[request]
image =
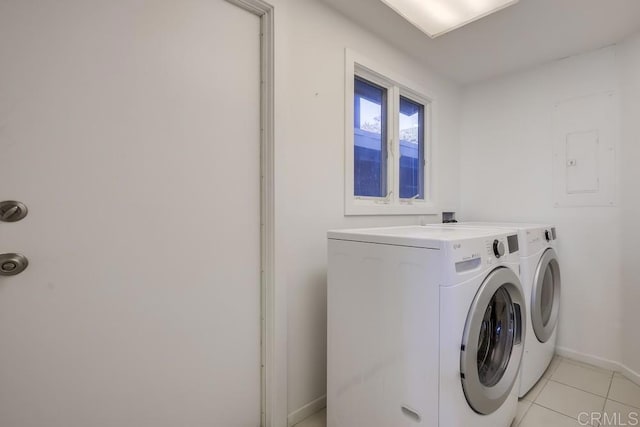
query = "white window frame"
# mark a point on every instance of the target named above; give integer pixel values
(396, 86)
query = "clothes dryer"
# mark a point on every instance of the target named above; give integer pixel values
(425, 327)
(541, 281)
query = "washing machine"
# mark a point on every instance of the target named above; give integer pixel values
(425, 327)
(541, 281)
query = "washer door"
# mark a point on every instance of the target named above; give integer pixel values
(545, 298)
(492, 341)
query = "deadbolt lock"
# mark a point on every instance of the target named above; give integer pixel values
(12, 211)
(12, 264)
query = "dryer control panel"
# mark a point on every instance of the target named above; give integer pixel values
(539, 239)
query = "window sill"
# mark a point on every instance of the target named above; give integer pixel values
(369, 207)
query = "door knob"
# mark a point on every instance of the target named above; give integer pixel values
(12, 211)
(12, 264)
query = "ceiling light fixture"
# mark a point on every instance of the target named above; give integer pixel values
(437, 17)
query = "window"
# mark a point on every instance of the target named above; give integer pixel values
(387, 146)
(369, 139)
(411, 120)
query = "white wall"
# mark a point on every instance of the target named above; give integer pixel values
(629, 61)
(310, 48)
(506, 174)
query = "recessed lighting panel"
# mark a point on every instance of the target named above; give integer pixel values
(436, 17)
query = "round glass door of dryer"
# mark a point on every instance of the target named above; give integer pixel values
(545, 297)
(492, 342)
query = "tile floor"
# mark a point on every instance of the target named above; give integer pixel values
(567, 390)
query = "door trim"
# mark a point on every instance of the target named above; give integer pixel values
(273, 393)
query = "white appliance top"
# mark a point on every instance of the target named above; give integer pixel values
(511, 225)
(432, 237)
(533, 238)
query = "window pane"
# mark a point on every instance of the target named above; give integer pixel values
(370, 137)
(411, 149)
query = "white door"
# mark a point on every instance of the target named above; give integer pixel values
(130, 129)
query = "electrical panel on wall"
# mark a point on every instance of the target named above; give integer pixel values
(585, 134)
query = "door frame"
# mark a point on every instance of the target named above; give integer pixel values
(273, 405)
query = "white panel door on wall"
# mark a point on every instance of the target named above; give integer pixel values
(130, 129)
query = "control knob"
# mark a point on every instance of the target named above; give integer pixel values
(547, 235)
(498, 248)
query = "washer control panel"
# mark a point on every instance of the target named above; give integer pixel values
(500, 249)
(497, 248)
(468, 255)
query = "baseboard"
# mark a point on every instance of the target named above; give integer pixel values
(589, 359)
(632, 375)
(600, 362)
(306, 411)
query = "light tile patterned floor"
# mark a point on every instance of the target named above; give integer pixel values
(318, 419)
(570, 394)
